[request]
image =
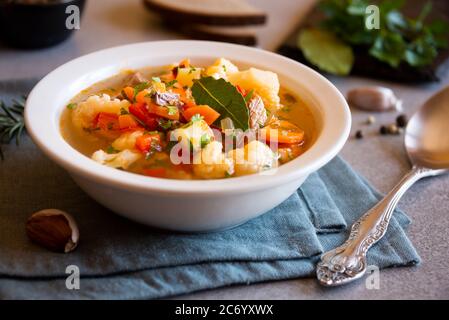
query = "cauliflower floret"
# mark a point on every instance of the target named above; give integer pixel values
(186, 75)
(212, 163)
(127, 140)
(193, 134)
(254, 157)
(264, 83)
(85, 112)
(123, 159)
(221, 68)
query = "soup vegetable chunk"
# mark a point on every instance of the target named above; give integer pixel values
(189, 122)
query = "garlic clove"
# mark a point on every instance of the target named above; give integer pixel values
(53, 229)
(373, 98)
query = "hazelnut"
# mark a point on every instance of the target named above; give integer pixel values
(53, 229)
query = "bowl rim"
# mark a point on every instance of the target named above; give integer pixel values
(49, 139)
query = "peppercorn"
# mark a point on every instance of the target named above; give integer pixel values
(392, 129)
(383, 130)
(370, 120)
(401, 121)
(359, 134)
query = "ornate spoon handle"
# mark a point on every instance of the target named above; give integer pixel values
(348, 262)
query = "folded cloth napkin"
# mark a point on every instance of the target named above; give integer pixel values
(119, 259)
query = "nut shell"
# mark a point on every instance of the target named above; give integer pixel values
(53, 229)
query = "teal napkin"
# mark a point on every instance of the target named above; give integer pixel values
(119, 259)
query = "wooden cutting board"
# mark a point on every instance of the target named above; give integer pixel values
(367, 66)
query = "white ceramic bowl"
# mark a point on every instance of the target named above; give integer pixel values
(201, 205)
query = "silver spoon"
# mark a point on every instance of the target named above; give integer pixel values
(427, 145)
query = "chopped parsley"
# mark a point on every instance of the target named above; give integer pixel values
(197, 117)
(111, 150)
(172, 110)
(224, 68)
(171, 83)
(205, 140)
(249, 95)
(165, 124)
(71, 106)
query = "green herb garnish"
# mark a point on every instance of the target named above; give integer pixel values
(224, 98)
(11, 122)
(111, 150)
(171, 83)
(165, 124)
(172, 110)
(249, 95)
(205, 140)
(123, 111)
(141, 86)
(71, 106)
(196, 118)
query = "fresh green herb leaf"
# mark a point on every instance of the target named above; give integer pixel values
(224, 68)
(192, 69)
(165, 124)
(196, 118)
(172, 110)
(400, 38)
(323, 49)
(249, 95)
(111, 150)
(205, 140)
(171, 83)
(224, 98)
(140, 87)
(123, 111)
(71, 106)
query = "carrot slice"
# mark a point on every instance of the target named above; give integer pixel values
(129, 92)
(284, 132)
(209, 114)
(155, 172)
(140, 97)
(127, 121)
(169, 112)
(146, 142)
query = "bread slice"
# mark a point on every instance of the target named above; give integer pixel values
(209, 12)
(245, 35)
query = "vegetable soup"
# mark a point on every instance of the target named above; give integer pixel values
(189, 122)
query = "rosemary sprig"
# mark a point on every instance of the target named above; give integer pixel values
(11, 122)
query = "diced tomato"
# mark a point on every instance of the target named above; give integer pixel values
(209, 114)
(147, 141)
(127, 122)
(241, 90)
(140, 112)
(106, 121)
(155, 172)
(171, 113)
